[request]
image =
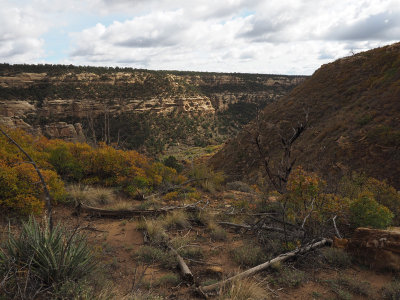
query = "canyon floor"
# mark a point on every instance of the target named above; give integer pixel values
(122, 273)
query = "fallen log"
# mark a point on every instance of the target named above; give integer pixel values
(100, 212)
(264, 227)
(282, 257)
(185, 271)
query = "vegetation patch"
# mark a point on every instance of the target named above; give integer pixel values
(337, 257)
(38, 257)
(248, 255)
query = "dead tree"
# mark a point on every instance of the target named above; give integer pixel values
(278, 177)
(47, 195)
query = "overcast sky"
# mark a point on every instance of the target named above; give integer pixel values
(255, 36)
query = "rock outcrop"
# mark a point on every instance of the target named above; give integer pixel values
(379, 249)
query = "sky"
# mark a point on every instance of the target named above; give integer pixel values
(250, 36)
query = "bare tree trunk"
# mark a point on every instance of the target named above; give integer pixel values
(247, 273)
(45, 189)
(185, 271)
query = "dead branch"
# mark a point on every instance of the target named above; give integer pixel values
(100, 212)
(309, 214)
(256, 269)
(185, 271)
(263, 227)
(336, 229)
(47, 196)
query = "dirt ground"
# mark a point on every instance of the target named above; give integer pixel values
(115, 242)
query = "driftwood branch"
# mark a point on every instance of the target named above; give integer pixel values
(247, 273)
(45, 189)
(185, 271)
(100, 212)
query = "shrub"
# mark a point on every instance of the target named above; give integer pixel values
(206, 178)
(248, 255)
(337, 257)
(151, 255)
(392, 291)
(51, 257)
(366, 212)
(172, 162)
(239, 186)
(289, 277)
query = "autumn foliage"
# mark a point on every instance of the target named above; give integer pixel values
(20, 190)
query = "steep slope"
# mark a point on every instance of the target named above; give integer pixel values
(354, 121)
(135, 108)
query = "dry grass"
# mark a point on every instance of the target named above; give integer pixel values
(217, 233)
(177, 219)
(92, 196)
(155, 230)
(243, 289)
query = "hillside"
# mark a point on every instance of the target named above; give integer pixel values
(136, 109)
(354, 121)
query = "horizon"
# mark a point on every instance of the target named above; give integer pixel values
(235, 36)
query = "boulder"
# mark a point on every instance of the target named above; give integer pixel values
(379, 249)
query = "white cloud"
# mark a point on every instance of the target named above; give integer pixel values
(274, 36)
(20, 35)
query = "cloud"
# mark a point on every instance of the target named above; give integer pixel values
(384, 25)
(20, 33)
(274, 36)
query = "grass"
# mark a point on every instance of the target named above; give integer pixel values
(248, 255)
(217, 233)
(243, 289)
(288, 277)
(92, 196)
(169, 279)
(151, 255)
(391, 291)
(344, 287)
(182, 245)
(177, 219)
(202, 217)
(155, 230)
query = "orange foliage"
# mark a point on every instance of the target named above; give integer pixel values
(20, 189)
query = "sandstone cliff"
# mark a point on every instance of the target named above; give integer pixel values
(45, 96)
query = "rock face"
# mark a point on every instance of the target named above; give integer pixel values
(135, 106)
(379, 249)
(62, 130)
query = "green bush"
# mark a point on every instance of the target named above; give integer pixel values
(337, 257)
(40, 257)
(366, 212)
(248, 255)
(172, 162)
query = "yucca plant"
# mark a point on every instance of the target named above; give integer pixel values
(49, 256)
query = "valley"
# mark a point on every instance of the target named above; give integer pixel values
(137, 184)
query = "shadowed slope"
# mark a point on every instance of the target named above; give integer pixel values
(354, 121)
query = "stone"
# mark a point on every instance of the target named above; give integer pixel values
(378, 249)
